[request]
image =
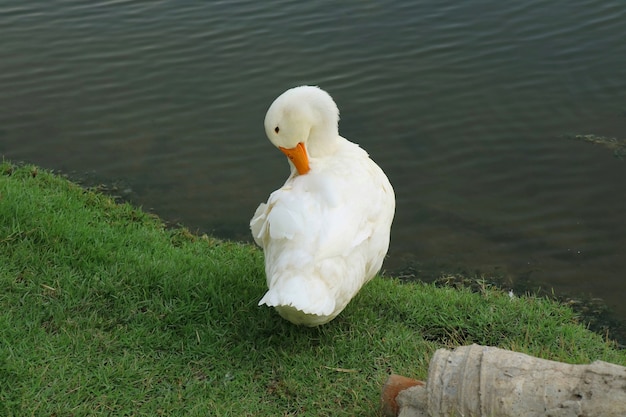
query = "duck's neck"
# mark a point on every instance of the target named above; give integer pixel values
(323, 141)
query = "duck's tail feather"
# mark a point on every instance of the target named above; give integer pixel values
(306, 295)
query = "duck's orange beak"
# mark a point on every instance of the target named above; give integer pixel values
(298, 156)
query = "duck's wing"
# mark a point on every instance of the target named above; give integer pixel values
(329, 214)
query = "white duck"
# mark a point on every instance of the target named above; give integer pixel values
(325, 232)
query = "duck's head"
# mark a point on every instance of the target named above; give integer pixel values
(303, 121)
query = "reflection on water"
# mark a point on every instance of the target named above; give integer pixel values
(464, 104)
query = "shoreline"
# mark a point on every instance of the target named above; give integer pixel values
(593, 311)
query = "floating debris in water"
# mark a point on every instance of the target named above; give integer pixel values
(618, 146)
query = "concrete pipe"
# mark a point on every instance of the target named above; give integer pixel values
(490, 382)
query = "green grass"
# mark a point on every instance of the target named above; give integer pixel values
(105, 311)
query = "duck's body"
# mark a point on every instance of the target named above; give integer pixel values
(325, 232)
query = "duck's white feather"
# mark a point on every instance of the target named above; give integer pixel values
(324, 234)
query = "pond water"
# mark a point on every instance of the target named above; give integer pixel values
(466, 106)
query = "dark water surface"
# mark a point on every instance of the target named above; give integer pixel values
(463, 104)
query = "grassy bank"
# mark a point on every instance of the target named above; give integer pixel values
(104, 311)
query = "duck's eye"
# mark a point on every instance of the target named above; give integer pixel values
(276, 129)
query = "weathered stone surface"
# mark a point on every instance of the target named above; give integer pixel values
(486, 381)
